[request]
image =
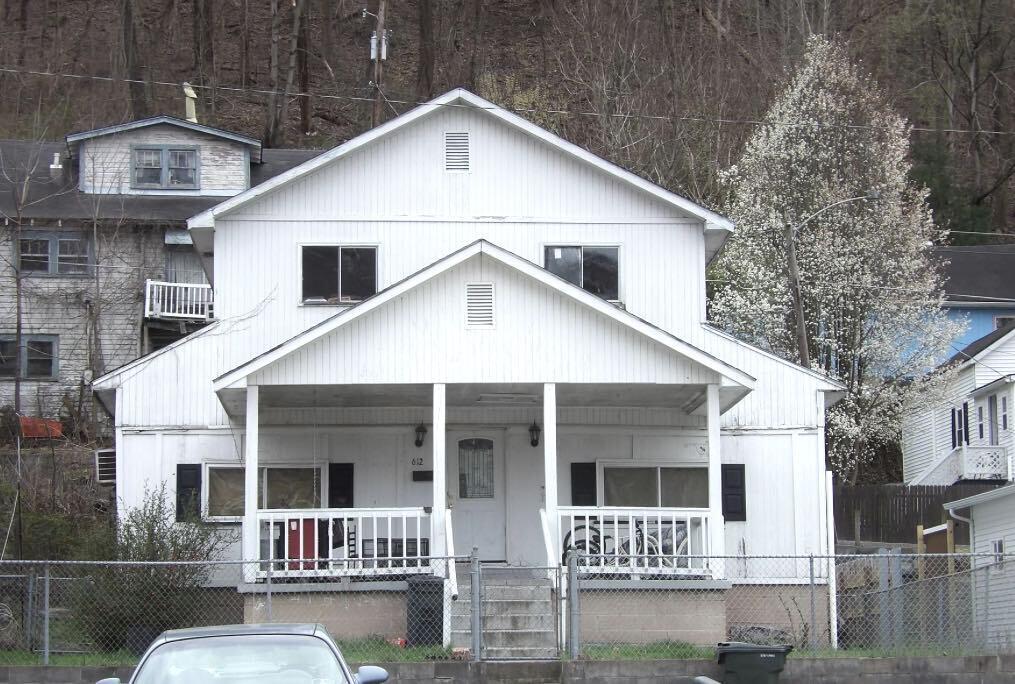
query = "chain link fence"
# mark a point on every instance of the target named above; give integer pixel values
(888, 604)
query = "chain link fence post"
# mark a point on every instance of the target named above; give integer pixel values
(267, 597)
(45, 613)
(476, 612)
(573, 609)
(812, 631)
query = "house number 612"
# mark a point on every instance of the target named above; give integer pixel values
(417, 461)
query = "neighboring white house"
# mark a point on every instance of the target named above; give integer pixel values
(992, 538)
(459, 328)
(968, 436)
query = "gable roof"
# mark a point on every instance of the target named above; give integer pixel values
(978, 275)
(73, 139)
(463, 98)
(238, 375)
(977, 348)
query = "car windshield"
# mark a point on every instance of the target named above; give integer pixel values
(253, 659)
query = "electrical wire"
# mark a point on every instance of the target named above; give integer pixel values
(526, 110)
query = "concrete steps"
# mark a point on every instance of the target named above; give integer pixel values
(517, 618)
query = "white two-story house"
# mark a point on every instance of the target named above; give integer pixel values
(967, 435)
(460, 331)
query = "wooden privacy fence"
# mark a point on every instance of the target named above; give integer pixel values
(890, 513)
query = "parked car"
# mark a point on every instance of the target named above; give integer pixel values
(248, 654)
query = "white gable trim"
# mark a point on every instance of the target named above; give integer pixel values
(106, 381)
(997, 345)
(461, 97)
(237, 377)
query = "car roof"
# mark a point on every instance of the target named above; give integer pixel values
(301, 629)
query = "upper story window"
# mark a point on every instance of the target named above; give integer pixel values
(54, 253)
(338, 275)
(39, 359)
(165, 168)
(596, 269)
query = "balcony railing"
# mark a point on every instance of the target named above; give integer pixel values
(983, 463)
(637, 541)
(345, 542)
(184, 301)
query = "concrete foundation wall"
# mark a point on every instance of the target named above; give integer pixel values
(346, 615)
(650, 615)
(776, 613)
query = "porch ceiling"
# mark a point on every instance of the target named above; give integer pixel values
(684, 397)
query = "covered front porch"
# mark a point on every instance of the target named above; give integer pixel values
(374, 481)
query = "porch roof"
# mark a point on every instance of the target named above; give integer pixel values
(687, 398)
(653, 345)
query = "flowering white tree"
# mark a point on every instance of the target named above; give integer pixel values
(869, 295)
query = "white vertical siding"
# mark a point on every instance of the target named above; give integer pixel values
(994, 588)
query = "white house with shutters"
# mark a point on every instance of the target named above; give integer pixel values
(968, 435)
(460, 331)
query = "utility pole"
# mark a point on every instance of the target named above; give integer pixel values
(798, 303)
(379, 51)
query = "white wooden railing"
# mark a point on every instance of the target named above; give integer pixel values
(188, 301)
(449, 540)
(344, 542)
(552, 560)
(984, 463)
(637, 541)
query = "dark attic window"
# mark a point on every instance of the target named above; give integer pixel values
(338, 275)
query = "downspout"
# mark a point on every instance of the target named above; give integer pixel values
(956, 516)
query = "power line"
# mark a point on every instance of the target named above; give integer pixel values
(526, 110)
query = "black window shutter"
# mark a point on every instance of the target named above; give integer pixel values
(954, 444)
(340, 476)
(734, 492)
(583, 484)
(965, 421)
(188, 491)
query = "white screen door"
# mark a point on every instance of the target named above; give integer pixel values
(476, 492)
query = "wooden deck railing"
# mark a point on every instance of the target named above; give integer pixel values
(343, 542)
(637, 541)
(187, 301)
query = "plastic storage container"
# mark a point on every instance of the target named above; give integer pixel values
(751, 663)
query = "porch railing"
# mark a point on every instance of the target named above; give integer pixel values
(188, 301)
(984, 463)
(637, 541)
(344, 542)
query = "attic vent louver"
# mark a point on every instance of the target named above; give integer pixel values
(105, 466)
(456, 152)
(479, 305)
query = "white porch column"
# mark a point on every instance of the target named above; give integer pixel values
(438, 545)
(550, 462)
(717, 533)
(251, 543)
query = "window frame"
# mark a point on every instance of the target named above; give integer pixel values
(53, 238)
(979, 420)
(601, 480)
(262, 469)
(582, 245)
(54, 375)
(997, 550)
(340, 245)
(164, 152)
(1010, 318)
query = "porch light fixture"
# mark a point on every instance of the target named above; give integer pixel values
(534, 431)
(420, 434)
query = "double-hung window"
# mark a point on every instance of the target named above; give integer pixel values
(654, 486)
(285, 487)
(39, 357)
(54, 253)
(165, 168)
(593, 268)
(338, 275)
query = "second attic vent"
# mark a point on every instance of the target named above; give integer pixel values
(456, 152)
(479, 305)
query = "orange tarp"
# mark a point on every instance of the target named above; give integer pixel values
(40, 427)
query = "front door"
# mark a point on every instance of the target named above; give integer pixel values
(476, 493)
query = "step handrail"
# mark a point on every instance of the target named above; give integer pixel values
(449, 535)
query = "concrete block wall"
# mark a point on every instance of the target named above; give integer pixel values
(645, 616)
(346, 615)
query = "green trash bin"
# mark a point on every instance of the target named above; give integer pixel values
(751, 663)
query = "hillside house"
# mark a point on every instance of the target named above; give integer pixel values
(97, 224)
(460, 331)
(967, 437)
(980, 287)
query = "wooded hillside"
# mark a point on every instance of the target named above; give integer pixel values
(666, 88)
